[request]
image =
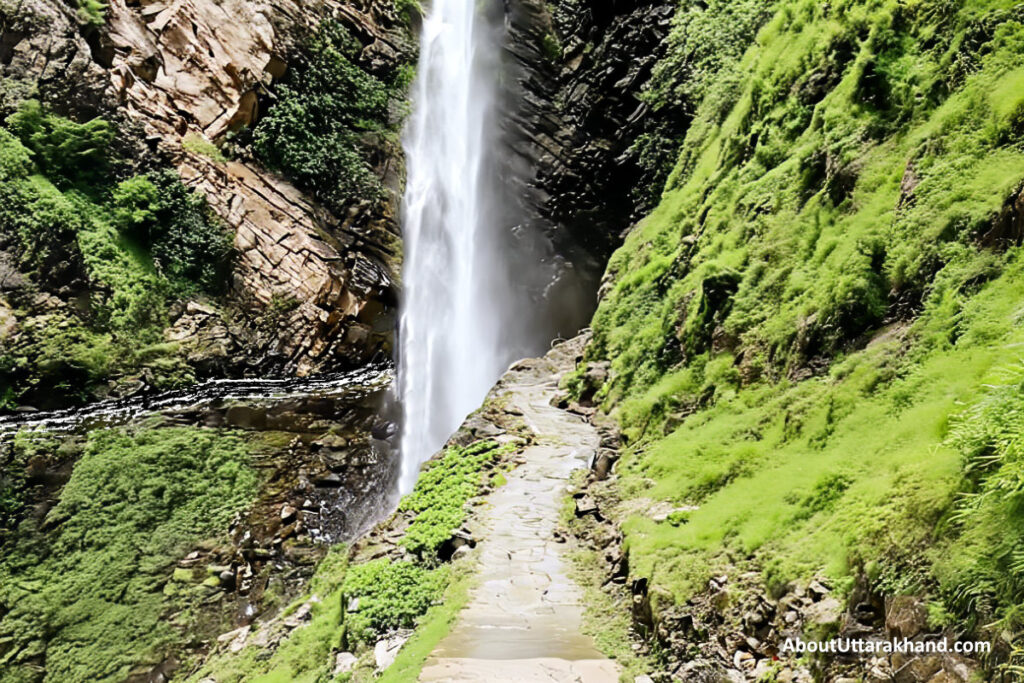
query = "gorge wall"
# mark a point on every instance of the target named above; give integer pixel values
(312, 283)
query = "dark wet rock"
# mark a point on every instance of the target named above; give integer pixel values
(328, 480)
(459, 539)
(246, 417)
(384, 430)
(575, 113)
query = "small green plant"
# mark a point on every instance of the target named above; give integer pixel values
(551, 46)
(94, 11)
(197, 144)
(408, 8)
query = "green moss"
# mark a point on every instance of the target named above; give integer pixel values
(608, 615)
(199, 145)
(551, 46)
(842, 172)
(86, 599)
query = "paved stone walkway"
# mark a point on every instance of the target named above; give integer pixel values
(522, 622)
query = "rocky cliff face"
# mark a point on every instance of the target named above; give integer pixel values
(576, 111)
(175, 77)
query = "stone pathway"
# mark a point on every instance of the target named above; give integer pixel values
(522, 622)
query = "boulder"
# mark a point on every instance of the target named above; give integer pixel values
(344, 662)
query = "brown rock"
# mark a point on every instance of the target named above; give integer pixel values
(905, 617)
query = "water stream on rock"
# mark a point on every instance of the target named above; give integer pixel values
(456, 332)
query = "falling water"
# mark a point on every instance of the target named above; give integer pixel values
(455, 340)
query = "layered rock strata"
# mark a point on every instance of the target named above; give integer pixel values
(182, 74)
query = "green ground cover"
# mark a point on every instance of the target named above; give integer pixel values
(803, 333)
(86, 591)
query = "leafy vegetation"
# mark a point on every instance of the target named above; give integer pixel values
(981, 569)
(176, 226)
(825, 283)
(391, 596)
(408, 8)
(327, 116)
(94, 11)
(82, 592)
(127, 247)
(441, 493)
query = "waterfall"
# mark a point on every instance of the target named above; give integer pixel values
(458, 315)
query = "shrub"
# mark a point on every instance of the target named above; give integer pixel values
(63, 150)
(391, 595)
(187, 242)
(314, 133)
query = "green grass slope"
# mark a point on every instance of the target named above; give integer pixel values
(816, 337)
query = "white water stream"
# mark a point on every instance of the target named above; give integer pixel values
(456, 335)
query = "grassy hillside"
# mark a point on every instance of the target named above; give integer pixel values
(816, 338)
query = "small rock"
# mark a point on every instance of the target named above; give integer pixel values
(743, 660)
(461, 551)
(817, 589)
(288, 513)
(344, 662)
(236, 639)
(585, 505)
(329, 480)
(643, 679)
(905, 617)
(826, 613)
(353, 605)
(915, 669)
(385, 651)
